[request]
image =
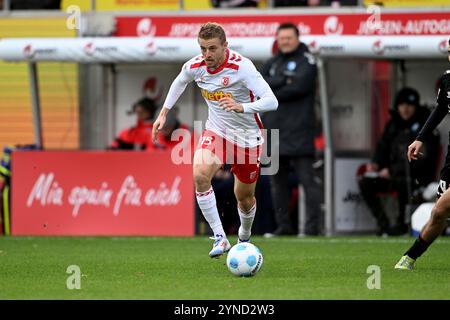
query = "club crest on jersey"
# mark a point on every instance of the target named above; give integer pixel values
(225, 81)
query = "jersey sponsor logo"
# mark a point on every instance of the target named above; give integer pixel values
(216, 95)
(225, 81)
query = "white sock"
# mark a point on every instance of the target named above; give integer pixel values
(245, 230)
(207, 202)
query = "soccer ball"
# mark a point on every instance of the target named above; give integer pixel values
(244, 259)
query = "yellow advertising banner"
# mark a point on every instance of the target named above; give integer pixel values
(85, 5)
(408, 3)
(137, 5)
(58, 85)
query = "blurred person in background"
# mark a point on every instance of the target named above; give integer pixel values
(138, 137)
(390, 170)
(291, 74)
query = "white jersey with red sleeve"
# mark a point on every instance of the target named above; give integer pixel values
(237, 78)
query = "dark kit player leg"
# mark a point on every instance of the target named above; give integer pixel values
(434, 227)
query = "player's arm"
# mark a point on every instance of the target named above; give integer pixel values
(253, 80)
(435, 118)
(176, 90)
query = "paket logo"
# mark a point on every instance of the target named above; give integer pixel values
(443, 46)
(151, 48)
(29, 52)
(90, 48)
(379, 48)
(314, 47)
(216, 95)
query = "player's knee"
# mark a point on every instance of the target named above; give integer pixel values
(245, 201)
(201, 180)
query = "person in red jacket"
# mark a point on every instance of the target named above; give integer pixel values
(138, 137)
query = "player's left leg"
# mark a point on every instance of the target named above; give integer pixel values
(246, 174)
(245, 196)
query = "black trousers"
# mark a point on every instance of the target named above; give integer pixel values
(372, 190)
(313, 194)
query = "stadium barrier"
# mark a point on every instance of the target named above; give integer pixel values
(96, 193)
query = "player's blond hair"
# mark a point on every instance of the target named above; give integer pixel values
(211, 30)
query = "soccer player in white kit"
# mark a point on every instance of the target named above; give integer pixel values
(235, 93)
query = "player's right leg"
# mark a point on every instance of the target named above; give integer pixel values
(434, 227)
(206, 164)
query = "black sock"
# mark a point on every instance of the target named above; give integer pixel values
(418, 248)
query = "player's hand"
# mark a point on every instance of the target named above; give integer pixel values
(158, 125)
(228, 104)
(414, 150)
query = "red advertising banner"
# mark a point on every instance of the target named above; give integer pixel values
(101, 193)
(377, 23)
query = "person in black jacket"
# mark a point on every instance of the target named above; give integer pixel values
(390, 170)
(291, 74)
(441, 210)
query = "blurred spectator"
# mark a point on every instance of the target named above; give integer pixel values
(390, 170)
(35, 5)
(234, 3)
(291, 74)
(138, 137)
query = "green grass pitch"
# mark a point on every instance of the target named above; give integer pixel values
(179, 268)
